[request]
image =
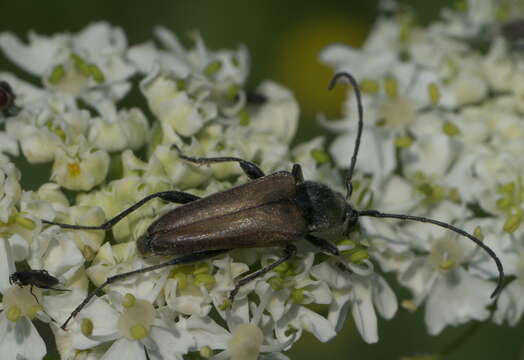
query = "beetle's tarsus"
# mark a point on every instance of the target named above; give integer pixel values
(289, 251)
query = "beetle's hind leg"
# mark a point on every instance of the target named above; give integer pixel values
(250, 169)
(52, 288)
(178, 197)
(38, 302)
(32, 293)
(189, 258)
(289, 251)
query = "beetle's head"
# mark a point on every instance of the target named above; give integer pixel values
(14, 279)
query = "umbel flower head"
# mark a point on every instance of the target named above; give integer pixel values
(441, 139)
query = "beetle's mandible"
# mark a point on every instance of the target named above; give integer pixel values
(270, 210)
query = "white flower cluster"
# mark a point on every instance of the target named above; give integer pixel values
(106, 157)
(443, 138)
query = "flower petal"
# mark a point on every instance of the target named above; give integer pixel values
(125, 349)
(20, 340)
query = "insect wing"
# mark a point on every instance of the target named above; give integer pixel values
(266, 225)
(267, 189)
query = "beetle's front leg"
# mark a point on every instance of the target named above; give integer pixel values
(330, 248)
(250, 169)
(322, 244)
(289, 251)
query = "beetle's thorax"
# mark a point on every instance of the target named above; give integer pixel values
(323, 208)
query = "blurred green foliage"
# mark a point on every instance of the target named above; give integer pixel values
(284, 39)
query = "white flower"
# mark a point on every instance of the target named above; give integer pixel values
(18, 335)
(278, 115)
(20, 339)
(90, 64)
(363, 294)
(45, 123)
(121, 258)
(119, 131)
(233, 65)
(373, 60)
(293, 286)
(177, 111)
(135, 328)
(187, 290)
(165, 165)
(10, 190)
(453, 296)
(78, 166)
(246, 338)
(54, 251)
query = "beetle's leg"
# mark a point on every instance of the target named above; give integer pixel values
(38, 302)
(32, 293)
(202, 255)
(323, 245)
(250, 169)
(178, 197)
(289, 251)
(330, 248)
(52, 288)
(297, 173)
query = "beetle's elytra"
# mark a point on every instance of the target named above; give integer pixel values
(270, 210)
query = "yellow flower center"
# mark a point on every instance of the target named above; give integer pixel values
(138, 332)
(13, 313)
(446, 254)
(134, 322)
(73, 169)
(18, 302)
(86, 327)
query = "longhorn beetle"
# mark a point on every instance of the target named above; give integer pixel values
(269, 211)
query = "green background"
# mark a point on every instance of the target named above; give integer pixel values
(284, 39)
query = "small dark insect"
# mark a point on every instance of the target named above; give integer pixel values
(39, 278)
(7, 100)
(270, 211)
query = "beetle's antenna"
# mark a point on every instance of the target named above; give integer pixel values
(354, 83)
(491, 253)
